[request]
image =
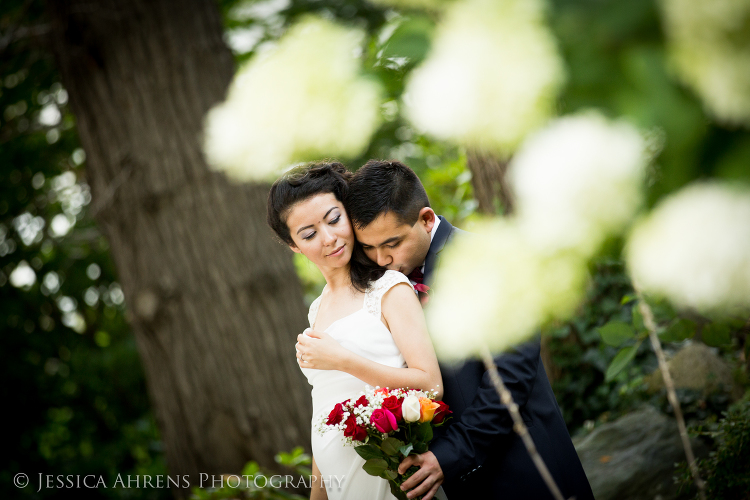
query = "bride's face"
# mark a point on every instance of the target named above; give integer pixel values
(321, 231)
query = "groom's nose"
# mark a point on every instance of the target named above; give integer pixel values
(384, 258)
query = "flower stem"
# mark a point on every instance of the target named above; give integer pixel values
(648, 321)
(518, 426)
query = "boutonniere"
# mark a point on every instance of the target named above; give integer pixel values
(423, 297)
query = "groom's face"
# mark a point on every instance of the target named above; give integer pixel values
(395, 245)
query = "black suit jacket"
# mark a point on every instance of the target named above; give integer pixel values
(478, 451)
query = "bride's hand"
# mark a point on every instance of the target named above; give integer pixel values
(320, 351)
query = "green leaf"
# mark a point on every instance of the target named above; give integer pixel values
(678, 331)
(391, 445)
(251, 468)
(406, 449)
(620, 361)
(616, 333)
(389, 474)
(626, 299)
(716, 334)
(420, 447)
(411, 39)
(368, 451)
(424, 432)
(375, 466)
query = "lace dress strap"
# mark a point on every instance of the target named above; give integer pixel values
(374, 294)
(313, 312)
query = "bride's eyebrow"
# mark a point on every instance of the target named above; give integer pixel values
(311, 225)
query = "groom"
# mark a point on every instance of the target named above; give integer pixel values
(477, 455)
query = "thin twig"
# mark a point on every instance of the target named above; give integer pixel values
(518, 426)
(648, 321)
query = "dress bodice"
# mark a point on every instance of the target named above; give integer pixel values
(362, 332)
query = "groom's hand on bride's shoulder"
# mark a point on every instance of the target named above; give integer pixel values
(426, 480)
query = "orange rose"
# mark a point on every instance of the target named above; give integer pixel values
(427, 409)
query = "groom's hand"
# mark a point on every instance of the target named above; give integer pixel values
(426, 480)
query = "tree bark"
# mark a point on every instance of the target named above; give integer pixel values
(213, 300)
(491, 188)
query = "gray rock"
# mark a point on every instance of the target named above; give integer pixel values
(634, 456)
(697, 366)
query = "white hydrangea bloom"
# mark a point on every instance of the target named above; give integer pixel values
(492, 76)
(494, 289)
(303, 100)
(709, 45)
(694, 249)
(578, 180)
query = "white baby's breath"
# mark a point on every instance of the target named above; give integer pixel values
(492, 76)
(303, 100)
(694, 249)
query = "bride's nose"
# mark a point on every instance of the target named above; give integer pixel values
(328, 237)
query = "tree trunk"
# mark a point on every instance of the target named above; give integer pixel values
(490, 186)
(214, 302)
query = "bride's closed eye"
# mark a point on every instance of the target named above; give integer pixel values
(332, 222)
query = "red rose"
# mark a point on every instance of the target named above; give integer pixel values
(353, 430)
(393, 405)
(383, 420)
(441, 412)
(362, 401)
(336, 415)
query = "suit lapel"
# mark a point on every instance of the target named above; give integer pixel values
(444, 232)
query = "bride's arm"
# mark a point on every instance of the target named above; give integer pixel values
(317, 489)
(405, 319)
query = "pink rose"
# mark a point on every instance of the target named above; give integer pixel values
(383, 420)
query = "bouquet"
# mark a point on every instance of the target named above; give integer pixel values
(385, 426)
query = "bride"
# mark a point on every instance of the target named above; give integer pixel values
(367, 327)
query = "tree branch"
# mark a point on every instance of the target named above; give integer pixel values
(648, 321)
(518, 426)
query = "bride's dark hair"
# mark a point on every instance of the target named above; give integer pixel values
(304, 182)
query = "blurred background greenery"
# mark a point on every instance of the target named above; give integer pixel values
(76, 399)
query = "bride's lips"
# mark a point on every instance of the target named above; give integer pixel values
(337, 252)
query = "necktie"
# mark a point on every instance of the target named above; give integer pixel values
(416, 276)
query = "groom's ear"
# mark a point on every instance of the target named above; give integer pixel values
(427, 218)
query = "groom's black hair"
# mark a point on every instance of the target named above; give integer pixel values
(304, 182)
(382, 186)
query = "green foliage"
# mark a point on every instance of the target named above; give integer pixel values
(255, 484)
(725, 471)
(69, 364)
(582, 359)
(603, 354)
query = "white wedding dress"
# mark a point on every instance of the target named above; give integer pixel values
(363, 333)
